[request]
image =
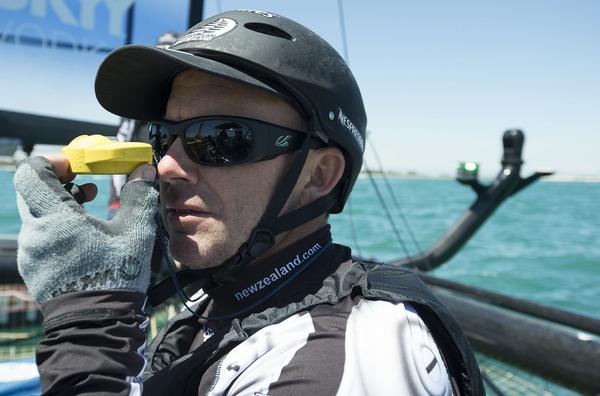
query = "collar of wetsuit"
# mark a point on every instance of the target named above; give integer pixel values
(260, 278)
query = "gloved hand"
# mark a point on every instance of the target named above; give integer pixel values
(63, 249)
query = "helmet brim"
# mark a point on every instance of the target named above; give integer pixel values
(134, 81)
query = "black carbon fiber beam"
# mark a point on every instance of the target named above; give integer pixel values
(558, 354)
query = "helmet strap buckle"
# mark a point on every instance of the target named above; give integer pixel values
(260, 241)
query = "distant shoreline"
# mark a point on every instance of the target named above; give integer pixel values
(419, 176)
(10, 166)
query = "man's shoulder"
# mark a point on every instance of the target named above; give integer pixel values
(389, 286)
(388, 346)
(382, 280)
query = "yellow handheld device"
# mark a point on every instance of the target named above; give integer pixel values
(97, 154)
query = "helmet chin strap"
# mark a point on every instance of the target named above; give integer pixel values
(261, 239)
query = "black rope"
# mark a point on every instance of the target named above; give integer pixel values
(347, 58)
(381, 200)
(353, 229)
(394, 198)
(343, 29)
(387, 211)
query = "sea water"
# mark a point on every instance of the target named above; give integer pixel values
(543, 244)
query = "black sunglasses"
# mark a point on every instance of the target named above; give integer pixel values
(224, 140)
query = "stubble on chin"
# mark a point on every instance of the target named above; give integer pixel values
(200, 251)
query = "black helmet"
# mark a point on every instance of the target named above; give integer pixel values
(255, 47)
(272, 53)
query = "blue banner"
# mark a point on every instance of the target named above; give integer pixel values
(51, 49)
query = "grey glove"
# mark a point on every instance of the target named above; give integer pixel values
(63, 249)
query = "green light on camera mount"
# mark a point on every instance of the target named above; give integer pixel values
(467, 171)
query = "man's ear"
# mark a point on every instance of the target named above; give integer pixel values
(325, 168)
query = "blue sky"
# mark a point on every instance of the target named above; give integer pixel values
(441, 80)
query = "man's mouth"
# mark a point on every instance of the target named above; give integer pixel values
(181, 212)
(186, 212)
(185, 220)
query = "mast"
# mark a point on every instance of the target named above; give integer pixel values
(196, 12)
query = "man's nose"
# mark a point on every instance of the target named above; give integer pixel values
(176, 165)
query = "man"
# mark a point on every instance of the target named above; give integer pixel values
(258, 129)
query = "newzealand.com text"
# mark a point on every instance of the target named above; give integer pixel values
(278, 273)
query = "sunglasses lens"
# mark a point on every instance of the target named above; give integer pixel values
(160, 141)
(218, 142)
